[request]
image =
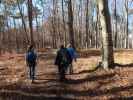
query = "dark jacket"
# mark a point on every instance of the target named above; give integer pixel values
(31, 58)
(59, 56)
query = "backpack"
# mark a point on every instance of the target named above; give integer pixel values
(64, 59)
(31, 56)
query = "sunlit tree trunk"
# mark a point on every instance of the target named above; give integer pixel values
(107, 44)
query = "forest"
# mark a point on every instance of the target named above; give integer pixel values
(99, 31)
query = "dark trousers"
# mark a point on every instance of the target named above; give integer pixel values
(61, 70)
(71, 68)
(32, 70)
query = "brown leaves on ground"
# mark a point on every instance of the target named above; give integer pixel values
(84, 84)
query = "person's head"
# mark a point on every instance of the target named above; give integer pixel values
(62, 46)
(31, 47)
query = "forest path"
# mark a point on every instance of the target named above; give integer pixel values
(82, 85)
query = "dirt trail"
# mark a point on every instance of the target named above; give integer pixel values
(82, 85)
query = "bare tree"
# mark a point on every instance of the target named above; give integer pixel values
(107, 44)
(30, 21)
(127, 33)
(87, 24)
(115, 44)
(70, 23)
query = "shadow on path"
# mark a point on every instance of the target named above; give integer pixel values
(124, 65)
(54, 94)
(91, 78)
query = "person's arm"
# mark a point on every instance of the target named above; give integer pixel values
(57, 59)
(74, 55)
(26, 59)
(36, 57)
(75, 58)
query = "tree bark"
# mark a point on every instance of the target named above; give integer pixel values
(115, 25)
(70, 23)
(107, 44)
(30, 21)
(87, 24)
(126, 6)
(64, 26)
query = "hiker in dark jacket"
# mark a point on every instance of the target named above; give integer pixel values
(62, 61)
(31, 58)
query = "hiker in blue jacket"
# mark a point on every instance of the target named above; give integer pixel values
(31, 58)
(73, 55)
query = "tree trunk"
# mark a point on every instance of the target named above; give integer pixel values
(64, 26)
(127, 24)
(97, 28)
(23, 21)
(116, 24)
(54, 30)
(107, 44)
(87, 24)
(30, 21)
(70, 23)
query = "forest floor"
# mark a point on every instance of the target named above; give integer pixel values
(84, 84)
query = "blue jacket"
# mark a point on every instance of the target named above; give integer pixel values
(31, 56)
(72, 53)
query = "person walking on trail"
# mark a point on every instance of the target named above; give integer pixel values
(31, 58)
(73, 55)
(62, 61)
